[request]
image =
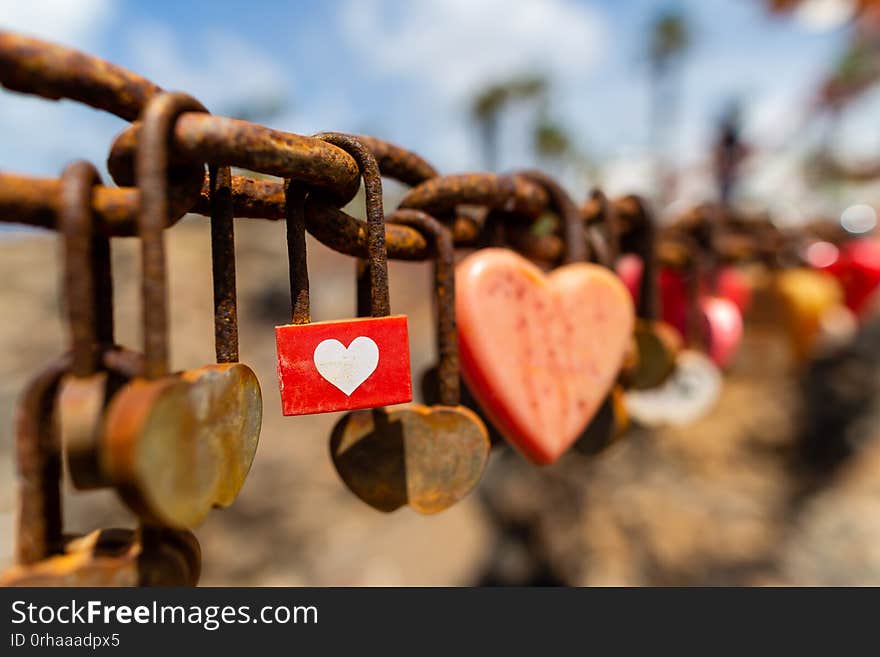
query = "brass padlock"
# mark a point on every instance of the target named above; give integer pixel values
(47, 557)
(428, 457)
(175, 445)
(689, 386)
(88, 294)
(810, 300)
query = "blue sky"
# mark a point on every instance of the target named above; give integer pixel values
(407, 71)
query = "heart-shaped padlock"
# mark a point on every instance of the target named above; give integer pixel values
(539, 352)
(694, 386)
(345, 364)
(88, 294)
(176, 445)
(811, 298)
(857, 267)
(428, 457)
(47, 557)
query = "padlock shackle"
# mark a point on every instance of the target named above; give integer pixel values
(380, 305)
(295, 194)
(693, 270)
(88, 282)
(598, 211)
(223, 264)
(151, 174)
(38, 454)
(440, 237)
(642, 235)
(573, 234)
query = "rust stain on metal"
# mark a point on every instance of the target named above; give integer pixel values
(223, 265)
(440, 196)
(32, 66)
(444, 294)
(376, 250)
(200, 137)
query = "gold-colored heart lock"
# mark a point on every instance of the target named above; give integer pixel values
(657, 346)
(114, 558)
(809, 298)
(88, 295)
(45, 556)
(177, 445)
(426, 457)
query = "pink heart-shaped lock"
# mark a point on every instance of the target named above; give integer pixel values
(540, 352)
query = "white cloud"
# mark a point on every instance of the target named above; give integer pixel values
(75, 23)
(824, 15)
(222, 70)
(452, 46)
(40, 137)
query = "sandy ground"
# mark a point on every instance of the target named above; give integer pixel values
(709, 504)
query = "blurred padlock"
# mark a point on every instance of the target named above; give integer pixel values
(428, 457)
(689, 393)
(175, 445)
(656, 342)
(857, 268)
(88, 296)
(540, 352)
(344, 364)
(48, 557)
(808, 297)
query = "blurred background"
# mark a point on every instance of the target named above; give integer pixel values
(635, 97)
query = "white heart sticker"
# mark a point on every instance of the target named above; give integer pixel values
(347, 368)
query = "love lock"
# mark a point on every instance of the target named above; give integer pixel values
(541, 352)
(88, 293)
(347, 364)
(708, 320)
(812, 303)
(428, 457)
(694, 387)
(112, 557)
(656, 342)
(688, 394)
(175, 445)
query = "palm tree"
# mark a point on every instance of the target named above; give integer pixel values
(670, 37)
(551, 143)
(490, 104)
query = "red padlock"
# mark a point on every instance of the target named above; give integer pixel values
(857, 267)
(348, 364)
(674, 297)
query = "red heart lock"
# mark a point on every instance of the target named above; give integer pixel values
(723, 328)
(540, 352)
(731, 284)
(349, 364)
(720, 315)
(857, 267)
(673, 291)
